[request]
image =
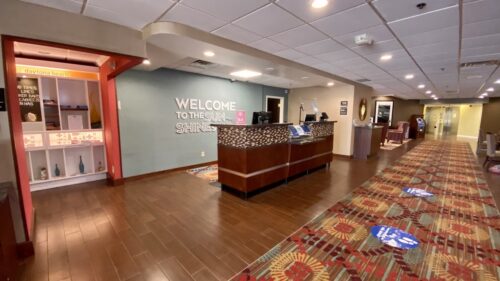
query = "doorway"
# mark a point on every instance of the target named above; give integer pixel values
(275, 106)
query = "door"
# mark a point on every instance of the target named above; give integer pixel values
(274, 105)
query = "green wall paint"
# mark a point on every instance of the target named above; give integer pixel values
(148, 116)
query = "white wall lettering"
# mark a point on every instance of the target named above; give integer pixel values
(196, 115)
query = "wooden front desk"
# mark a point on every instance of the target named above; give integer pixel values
(252, 157)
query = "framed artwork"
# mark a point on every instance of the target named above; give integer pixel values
(383, 112)
(363, 109)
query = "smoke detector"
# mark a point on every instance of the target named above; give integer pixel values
(363, 40)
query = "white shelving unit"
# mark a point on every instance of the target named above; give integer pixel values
(61, 139)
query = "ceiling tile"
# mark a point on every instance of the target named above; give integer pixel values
(290, 54)
(309, 61)
(378, 33)
(301, 35)
(226, 10)
(348, 21)
(481, 51)
(336, 56)
(189, 16)
(268, 21)
(267, 45)
(303, 9)
(136, 14)
(480, 11)
(320, 47)
(396, 9)
(481, 28)
(481, 41)
(448, 47)
(431, 37)
(72, 6)
(236, 33)
(435, 20)
(330, 68)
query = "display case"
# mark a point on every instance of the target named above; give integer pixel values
(63, 130)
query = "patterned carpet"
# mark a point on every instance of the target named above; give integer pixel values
(391, 145)
(458, 228)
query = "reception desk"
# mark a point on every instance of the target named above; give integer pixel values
(252, 157)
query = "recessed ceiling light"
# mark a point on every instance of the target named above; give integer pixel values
(490, 89)
(318, 4)
(329, 84)
(497, 82)
(421, 86)
(385, 57)
(409, 76)
(428, 92)
(484, 94)
(146, 62)
(24, 76)
(209, 54)
(481, 97)
(269, 68)
(474, 76)
(304, 77)
(245, 73)
(435, 98)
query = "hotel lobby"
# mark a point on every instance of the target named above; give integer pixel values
(249, 140)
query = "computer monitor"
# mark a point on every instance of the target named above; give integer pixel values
(261, 117)
(310, 118)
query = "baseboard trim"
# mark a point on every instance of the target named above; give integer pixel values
(115, 182)
(138, 177)
(341, 156)
(466, 137)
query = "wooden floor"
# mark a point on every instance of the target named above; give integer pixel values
(177, 226)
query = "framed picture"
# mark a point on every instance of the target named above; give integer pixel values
(343, 110)
(383, 111)
(343, 103)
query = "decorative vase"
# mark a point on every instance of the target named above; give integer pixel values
(81, 166)
(43, 174)
(57, 172)
(100, 168)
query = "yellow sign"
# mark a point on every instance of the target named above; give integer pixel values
(55, 72)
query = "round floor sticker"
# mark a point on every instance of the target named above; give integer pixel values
(394, 237)
(417, 192)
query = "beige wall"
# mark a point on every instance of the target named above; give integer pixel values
(469, 120)
(328, 100)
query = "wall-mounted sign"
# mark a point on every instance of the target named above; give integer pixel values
(3, 105)
(55, 72)
(196, 115)
(343, 110)
(29, 99)
(343, 103)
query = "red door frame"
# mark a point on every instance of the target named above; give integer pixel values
(116, 64)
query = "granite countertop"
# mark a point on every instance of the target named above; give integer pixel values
(251, 126)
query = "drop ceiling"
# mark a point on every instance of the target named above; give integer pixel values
(429, 43)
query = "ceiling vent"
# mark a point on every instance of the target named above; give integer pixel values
(202, 64)
(479, 64)
(363, 80)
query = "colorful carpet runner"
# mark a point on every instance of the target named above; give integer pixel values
(458, 228)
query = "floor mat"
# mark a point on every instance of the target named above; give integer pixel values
(209, 173)
(454, 234)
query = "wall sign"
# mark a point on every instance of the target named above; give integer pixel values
(343, 110)
(394, 237)
(3, 105)
(29, 99)
(55, 72)
(343, 103)
(196, 115)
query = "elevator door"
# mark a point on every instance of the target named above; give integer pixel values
(450, 120)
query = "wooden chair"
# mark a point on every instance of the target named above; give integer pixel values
(398, 134)
(492, 155)
(385, 127)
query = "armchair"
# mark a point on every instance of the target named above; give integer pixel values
(492, 155)
(398, 134)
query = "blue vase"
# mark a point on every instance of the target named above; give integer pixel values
(57, 172)
(81, 166)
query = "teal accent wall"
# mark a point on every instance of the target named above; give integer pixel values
(149, 142)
